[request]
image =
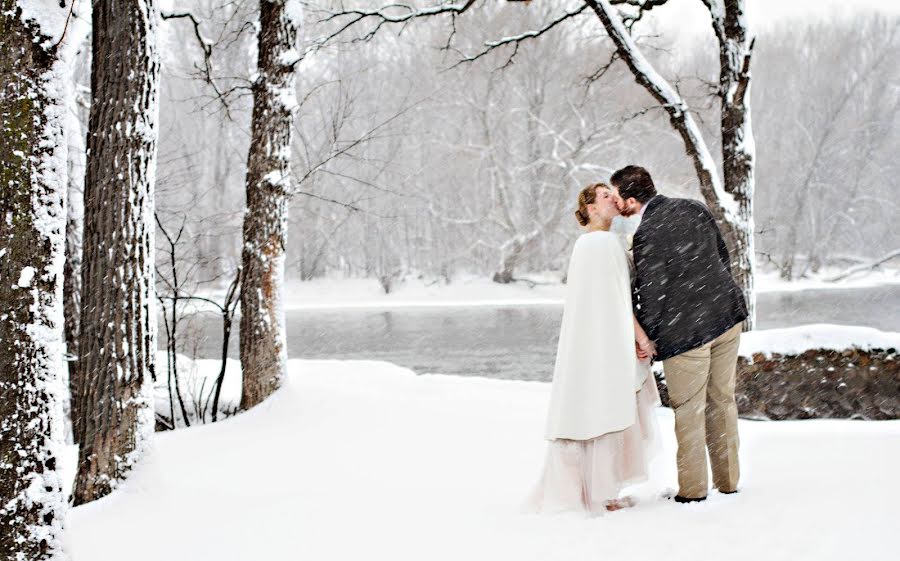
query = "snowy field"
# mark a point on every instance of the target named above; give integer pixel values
(365, 460)
(473, 291)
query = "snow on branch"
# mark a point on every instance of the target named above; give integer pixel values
(865, 266)
(679, 114)
(717, 11)
(643, 6)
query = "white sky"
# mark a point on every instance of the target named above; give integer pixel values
(691, 15)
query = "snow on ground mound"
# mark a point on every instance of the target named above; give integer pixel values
(364, 460)
(796, 340)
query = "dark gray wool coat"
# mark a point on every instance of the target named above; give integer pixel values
(684, 293)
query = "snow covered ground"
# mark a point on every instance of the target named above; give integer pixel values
(365, 460)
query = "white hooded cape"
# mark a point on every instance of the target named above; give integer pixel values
(595, 373)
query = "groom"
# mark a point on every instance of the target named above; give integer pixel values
(688, 303)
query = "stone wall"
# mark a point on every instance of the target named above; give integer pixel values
(817, 384)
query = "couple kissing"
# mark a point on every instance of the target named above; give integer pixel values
(673, 300)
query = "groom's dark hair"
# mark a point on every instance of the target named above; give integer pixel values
(634, 181)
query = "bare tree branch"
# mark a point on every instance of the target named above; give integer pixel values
(386, 16)
(600, 72)
(515, 40)
(382, 17)
(206, 72)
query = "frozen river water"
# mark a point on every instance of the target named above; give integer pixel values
(517, 342)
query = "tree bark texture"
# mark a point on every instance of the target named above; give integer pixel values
(32, 230)
(112, 402)
(262, 332)
(738, 147)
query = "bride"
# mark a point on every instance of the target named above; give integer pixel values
(600, 425)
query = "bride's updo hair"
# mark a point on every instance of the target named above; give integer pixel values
(587, 197)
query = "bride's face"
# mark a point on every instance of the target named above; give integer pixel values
(605, 204)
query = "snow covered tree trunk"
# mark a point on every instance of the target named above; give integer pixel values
(262, 334)
(112, 406)
(738, 147)
(731, 206)
(32, 230)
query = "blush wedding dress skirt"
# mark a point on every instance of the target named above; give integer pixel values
(585, 475)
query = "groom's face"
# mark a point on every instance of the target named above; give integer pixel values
(627, 207)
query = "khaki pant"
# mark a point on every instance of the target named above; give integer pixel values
(701, 391)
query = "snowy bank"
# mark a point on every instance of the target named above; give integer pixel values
(327, 293)
(412, 292)
(771, 281)
(797, 340)
(197, 383)
(468, 290)
(360, 460)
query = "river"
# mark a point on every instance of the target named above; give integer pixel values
(517, 342)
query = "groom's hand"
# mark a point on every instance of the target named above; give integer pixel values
(645, 349)
(641, 353)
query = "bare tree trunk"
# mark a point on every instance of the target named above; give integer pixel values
(74, 221)
(738, 147)
(262, 334)
(511, 254)
(32, 232)
(228, 309)
(171, 321)
(113, 402)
